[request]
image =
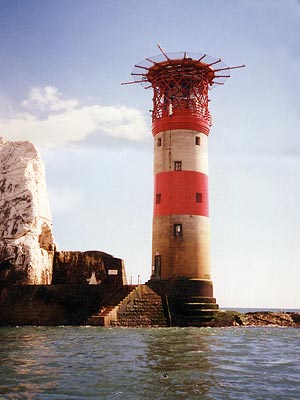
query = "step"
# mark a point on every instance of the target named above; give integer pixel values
(199, 306)
(106, 310)
(201, 313)
(199, 299)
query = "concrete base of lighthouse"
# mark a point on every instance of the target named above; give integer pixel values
(188, 302)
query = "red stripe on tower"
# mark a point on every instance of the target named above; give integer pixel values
(181, 120)
(181, 192)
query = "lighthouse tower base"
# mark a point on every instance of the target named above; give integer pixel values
(188, 302)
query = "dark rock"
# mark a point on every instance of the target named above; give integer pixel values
(266, 318)
(259, 318)
(76, 267)
(226, 318)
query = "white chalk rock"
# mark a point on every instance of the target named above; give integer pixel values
(26, 240)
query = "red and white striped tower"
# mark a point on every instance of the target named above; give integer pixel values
(180, 125)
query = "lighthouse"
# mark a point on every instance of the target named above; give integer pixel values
(181, 124)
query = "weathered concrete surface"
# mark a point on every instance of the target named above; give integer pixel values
(26, 240)
(48, 305)
(76, 267)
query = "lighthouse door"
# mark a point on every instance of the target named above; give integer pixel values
(157, 266)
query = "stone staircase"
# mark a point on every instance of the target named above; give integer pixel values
(109, 308)
(141, 308)
(131, 306)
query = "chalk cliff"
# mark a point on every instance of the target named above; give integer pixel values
(26, 240)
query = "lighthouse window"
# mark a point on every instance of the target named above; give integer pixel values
(198, 197)
(197, 140)
(158, 142)
(158, 198)
(177, 229)
(177, 165)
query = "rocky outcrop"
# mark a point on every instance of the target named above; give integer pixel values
(258, 318)
(26, 240)
(266, 318)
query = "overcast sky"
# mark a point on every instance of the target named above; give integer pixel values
(61, 65)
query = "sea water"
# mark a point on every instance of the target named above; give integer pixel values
(159, 363)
